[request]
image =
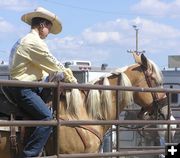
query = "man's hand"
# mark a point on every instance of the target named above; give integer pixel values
(69, 77)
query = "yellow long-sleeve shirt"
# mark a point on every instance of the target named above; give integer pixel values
(30, 58)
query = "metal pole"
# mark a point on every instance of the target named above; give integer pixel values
(56, 98)
(57, 118)
(136, 29)
(117, 118)
(168, 118)
(136, 40)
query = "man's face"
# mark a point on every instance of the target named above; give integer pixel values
(44, 30)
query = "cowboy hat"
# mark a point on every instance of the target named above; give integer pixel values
(43, 13)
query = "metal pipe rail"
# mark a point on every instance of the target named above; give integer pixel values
(115, 154)
(103, 87)
(177, 108)
(64, 86)
(147, 129)
(16, 83)
(108, 154)
(142, 147)
(119, 122)
(83, 86)
(86, 122)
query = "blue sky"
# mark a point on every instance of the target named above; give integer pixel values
(99, 30)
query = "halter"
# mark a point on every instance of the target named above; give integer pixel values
(158, 102)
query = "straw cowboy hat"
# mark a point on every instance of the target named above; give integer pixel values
(43, 13)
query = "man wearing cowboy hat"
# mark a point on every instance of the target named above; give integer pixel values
(30, 59)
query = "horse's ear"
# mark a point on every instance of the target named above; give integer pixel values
(137, 57)
(140, 59)
(144, 61)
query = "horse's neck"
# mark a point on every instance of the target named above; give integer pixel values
(81, 110)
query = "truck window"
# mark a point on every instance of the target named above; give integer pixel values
(174, 98)
(80, 76)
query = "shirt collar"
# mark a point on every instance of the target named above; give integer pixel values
(33, 31)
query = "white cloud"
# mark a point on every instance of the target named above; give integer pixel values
(158, 8)
(154, 29)
(105, 41)
(16, 5)
(5, 26)
(100, 37)
(68, 42)
(156, 37)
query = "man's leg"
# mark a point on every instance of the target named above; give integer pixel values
(31, 103)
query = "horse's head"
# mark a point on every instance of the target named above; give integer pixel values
(146, 74)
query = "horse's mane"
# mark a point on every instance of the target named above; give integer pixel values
(74, 103)
(93, 105)
(106, 100)
(117, 71)
(157, 71)
(99, 105)
(126, 96)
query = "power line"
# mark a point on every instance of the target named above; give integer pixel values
(100, 11)
(82, 8)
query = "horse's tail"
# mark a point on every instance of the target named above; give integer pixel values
(106, 100)
(93, 105)
(126, 97)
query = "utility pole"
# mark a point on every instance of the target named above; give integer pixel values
(136, 29)
(137, 49)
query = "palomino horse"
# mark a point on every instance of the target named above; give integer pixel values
(101, 105)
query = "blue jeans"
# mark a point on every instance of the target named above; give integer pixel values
(31, 103)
